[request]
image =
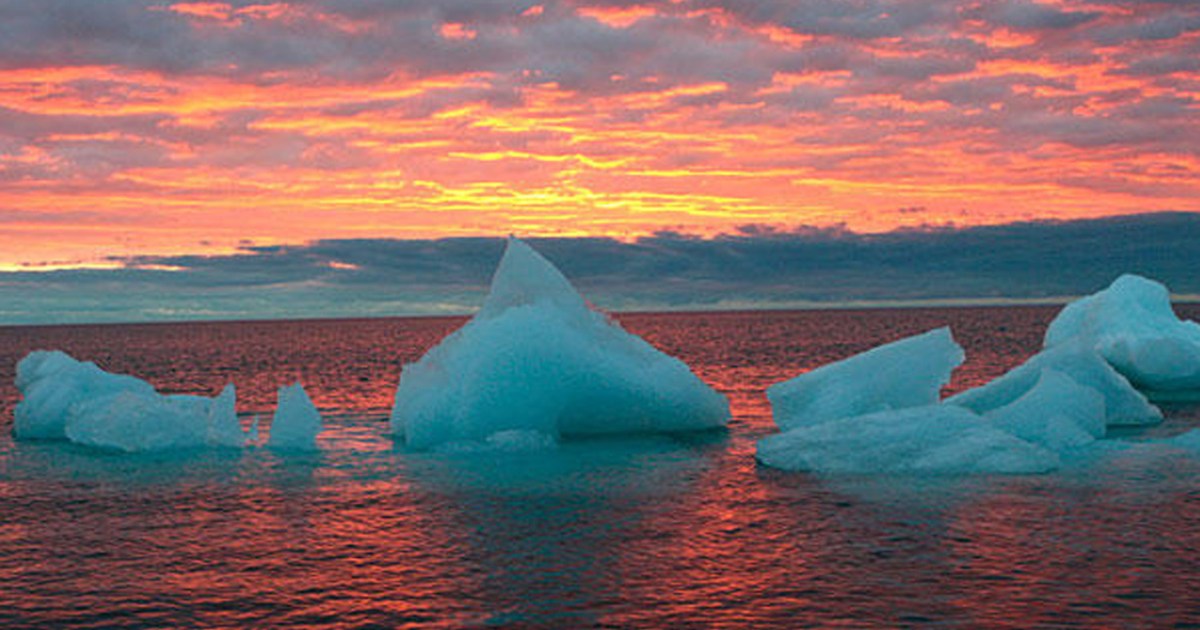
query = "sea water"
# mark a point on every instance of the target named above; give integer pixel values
(642, 531)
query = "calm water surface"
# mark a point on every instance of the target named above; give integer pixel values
(650, 532)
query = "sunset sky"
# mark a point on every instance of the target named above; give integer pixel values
(158, 128)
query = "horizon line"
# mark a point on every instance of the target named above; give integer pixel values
(765, 307)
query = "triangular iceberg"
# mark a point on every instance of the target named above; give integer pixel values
(296, 422)
(538, 358)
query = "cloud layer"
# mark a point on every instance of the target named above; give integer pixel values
(753, 268)
(150, 127)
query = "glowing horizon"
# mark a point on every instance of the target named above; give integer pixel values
(197, 128)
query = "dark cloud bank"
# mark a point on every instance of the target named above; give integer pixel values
(756, 268)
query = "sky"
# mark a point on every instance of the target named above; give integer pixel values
(136, 131)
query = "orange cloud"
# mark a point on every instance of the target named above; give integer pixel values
(294, 122)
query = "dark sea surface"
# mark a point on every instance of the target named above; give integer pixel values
(679, 531)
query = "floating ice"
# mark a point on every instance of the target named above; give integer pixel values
(296, 422)
(137, 422)
(51, 382)
(65, 398)
(906, 373)
(1132, 325)
(1123, 405)
(538, 358)
(1057, 413)
(934, 439)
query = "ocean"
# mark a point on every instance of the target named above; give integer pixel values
(668, 531)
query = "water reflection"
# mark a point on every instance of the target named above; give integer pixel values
(546, 530)
(684, 531)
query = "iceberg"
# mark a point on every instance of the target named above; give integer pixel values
(538, 358)
(1058, 414)
(1132, 325)
(296, 422)
(138, 422)
(67, 399)
(906, 373)
(1123, 405)
(927, 440)
(51, 383)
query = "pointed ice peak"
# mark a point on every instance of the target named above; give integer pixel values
(297, 421)
(525, 277)
(224, 428)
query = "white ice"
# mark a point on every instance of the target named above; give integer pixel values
(1132, 325)
(927, 440)
(1123, 405)
(906, 373)
(65, 398)
(296, 422)
(538, 358)
(1058, 414)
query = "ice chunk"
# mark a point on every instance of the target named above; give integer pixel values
(51, 382)
(1123, 405)
(136, 421)
(65, 398)
(1131, 324)
(1057, 413)
(934, 439)
(906, 373)
(538, 358)
(296, 422)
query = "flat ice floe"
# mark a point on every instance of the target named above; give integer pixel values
(1132, 325)
(538, 358)
(932, 439)
(67, 399)
(906, 373)
(879, 412)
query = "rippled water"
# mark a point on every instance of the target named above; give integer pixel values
(672, 531)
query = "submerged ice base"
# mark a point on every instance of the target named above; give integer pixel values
(538, 358)
(67, 399)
